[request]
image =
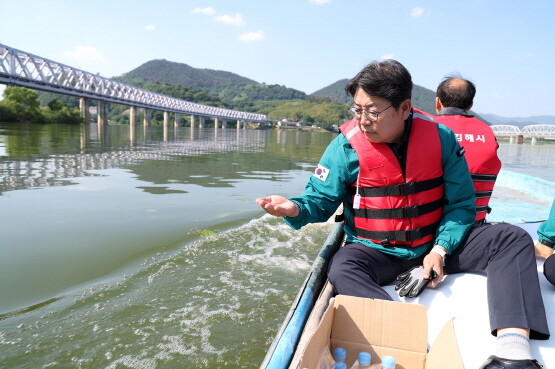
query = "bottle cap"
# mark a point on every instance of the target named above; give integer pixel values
(364, 358)
(339, 365)
(388, 361)
(340, 354)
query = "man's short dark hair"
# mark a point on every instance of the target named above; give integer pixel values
(387, 79)
(456, 92)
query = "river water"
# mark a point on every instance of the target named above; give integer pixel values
(144, 248)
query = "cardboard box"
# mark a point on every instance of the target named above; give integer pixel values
(382, 328)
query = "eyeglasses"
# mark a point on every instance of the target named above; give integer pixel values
(372, 116)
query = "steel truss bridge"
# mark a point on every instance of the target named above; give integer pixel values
(546, 131)
(21, 68)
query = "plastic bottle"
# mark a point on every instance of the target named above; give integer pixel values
(388, 362)
(326, 359)
(340, 354)
(363, 361)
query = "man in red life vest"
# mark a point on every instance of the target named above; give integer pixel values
(409, 202)
(454, 98)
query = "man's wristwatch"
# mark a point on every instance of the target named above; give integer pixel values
(548, 243)
(441, 252)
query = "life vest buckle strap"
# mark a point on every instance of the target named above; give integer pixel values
(401, 189)
(483, 209)
(411, 211)
(406, 212)
(385, 243)
(403, 236)
(483, 177)
(407, 189)
(483, 194)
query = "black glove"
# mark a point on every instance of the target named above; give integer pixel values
(412, 282)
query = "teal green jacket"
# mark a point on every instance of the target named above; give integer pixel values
(321, 198)
(546, 231)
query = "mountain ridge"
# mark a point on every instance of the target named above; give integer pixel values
(233, 88)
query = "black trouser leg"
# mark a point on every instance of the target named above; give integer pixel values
(359, 270)
(506, 253)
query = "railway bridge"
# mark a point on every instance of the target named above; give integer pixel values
(20, 68)
(534, 131)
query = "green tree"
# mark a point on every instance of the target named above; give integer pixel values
(58, 112)
(22, 104)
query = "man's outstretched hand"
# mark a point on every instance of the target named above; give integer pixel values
(278, 206)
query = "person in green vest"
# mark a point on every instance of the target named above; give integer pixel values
(545, 245)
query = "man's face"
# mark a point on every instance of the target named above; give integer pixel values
(390, 125)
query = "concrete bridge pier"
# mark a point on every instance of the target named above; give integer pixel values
(192, 121)
(216, 123)
(102, 113)
(238, 124)
(85, 136)
(224, 123)
(133, 133)
(133, 116)
(520, 139)
(202, 122)
(176, 120)
(166, 119)
(534, 140)
(84, 107)
(512, 139)
(147, 120)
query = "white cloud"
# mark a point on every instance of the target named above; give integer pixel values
(150, 27)
(233, 20)
(252, 36)
(208, 10)
(416, 12)
(388, 56)
(319, 2)
(88, 53)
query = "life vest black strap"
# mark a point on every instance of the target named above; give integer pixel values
(483, 194)
(403, 213)
(406, 236)
(483, 177)
(399, 189)
(483, 209)
(547, 243)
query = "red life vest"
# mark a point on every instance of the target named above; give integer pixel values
(396, 207)
(480, 147)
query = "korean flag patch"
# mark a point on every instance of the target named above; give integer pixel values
(321, 173)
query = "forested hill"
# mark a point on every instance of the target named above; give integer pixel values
(163, 71)
(422, 98)
(229, 87)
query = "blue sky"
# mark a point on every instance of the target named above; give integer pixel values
(505, 47)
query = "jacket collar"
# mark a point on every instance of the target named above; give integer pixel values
(454, 111)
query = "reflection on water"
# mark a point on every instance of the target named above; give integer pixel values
(42, 166)
(42, 156)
